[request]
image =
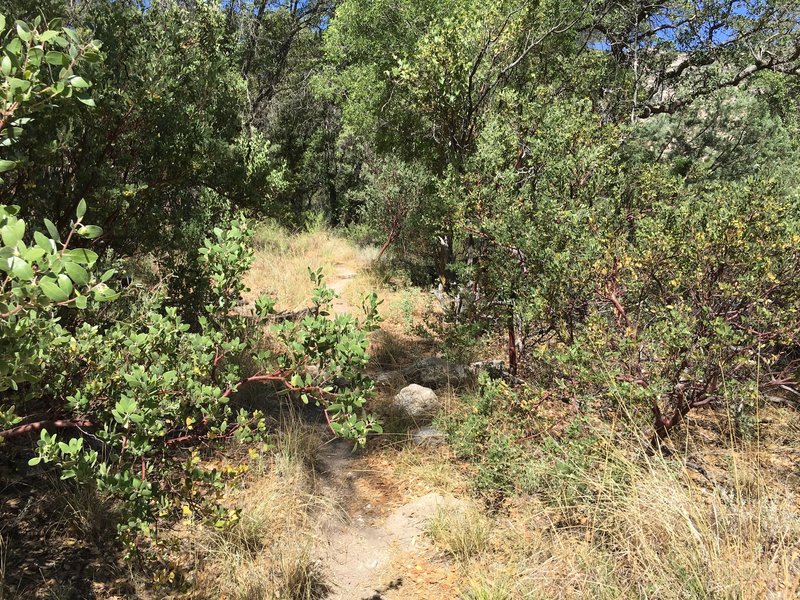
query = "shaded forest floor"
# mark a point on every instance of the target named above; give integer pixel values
(576, 510)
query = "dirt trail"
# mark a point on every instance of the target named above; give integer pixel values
(341, 279)
(376, 547)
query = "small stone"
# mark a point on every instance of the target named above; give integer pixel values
(428, 436)
(417, 402)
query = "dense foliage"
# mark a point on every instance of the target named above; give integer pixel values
(118, 394)
(611, 186)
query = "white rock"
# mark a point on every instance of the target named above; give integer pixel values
(417, 402)
(428, 436)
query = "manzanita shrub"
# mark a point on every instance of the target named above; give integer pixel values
(41, 272)
(123, 400)
(39, 277)
(37, 65)
(126, 400)
(656, 302)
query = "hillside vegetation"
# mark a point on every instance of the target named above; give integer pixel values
(366, 299)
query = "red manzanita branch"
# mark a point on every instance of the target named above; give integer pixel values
(39, 425)
(328, 419)
(198, 436)
(622, 315)
(280, 377)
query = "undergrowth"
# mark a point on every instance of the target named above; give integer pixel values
(583, 511)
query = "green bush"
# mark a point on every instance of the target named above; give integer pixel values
(122, 401)
(490, 432)
(643, 260)
(128, 397)
(514, 449)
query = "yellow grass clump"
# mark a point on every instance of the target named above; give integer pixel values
(650, 530)
(282, 261)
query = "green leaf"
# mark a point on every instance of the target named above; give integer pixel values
(52, 291)
(47, 35)
(17, 85)
(36, 459)
(14, 46)
(78, 82)
(65, 283)
(32, 254)
(7, 165)
(35, 56)
(12, 232)
(77, 273)
(90, 232)
(81, 210)
(92, 56)
(81, 302)
(2, 23)
(103, 293)
(72, 35)
(5, 65)
(23, 31)
(20, 268)
(56, 58)
(82, 256)
(87, 100)
(52, 230)
(43, 242)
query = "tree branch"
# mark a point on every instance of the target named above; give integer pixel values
(48, 424)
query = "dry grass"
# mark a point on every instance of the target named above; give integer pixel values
(646, 529)
(80, 510)
(489, 586)
(3, 561)
(267, 554)
(463, 534)
(425, 470)
(282, 261)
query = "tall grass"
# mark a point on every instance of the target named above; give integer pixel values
(626, 525)
(282, 260)
(267, 554)
(3, 561)
(462, 533)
